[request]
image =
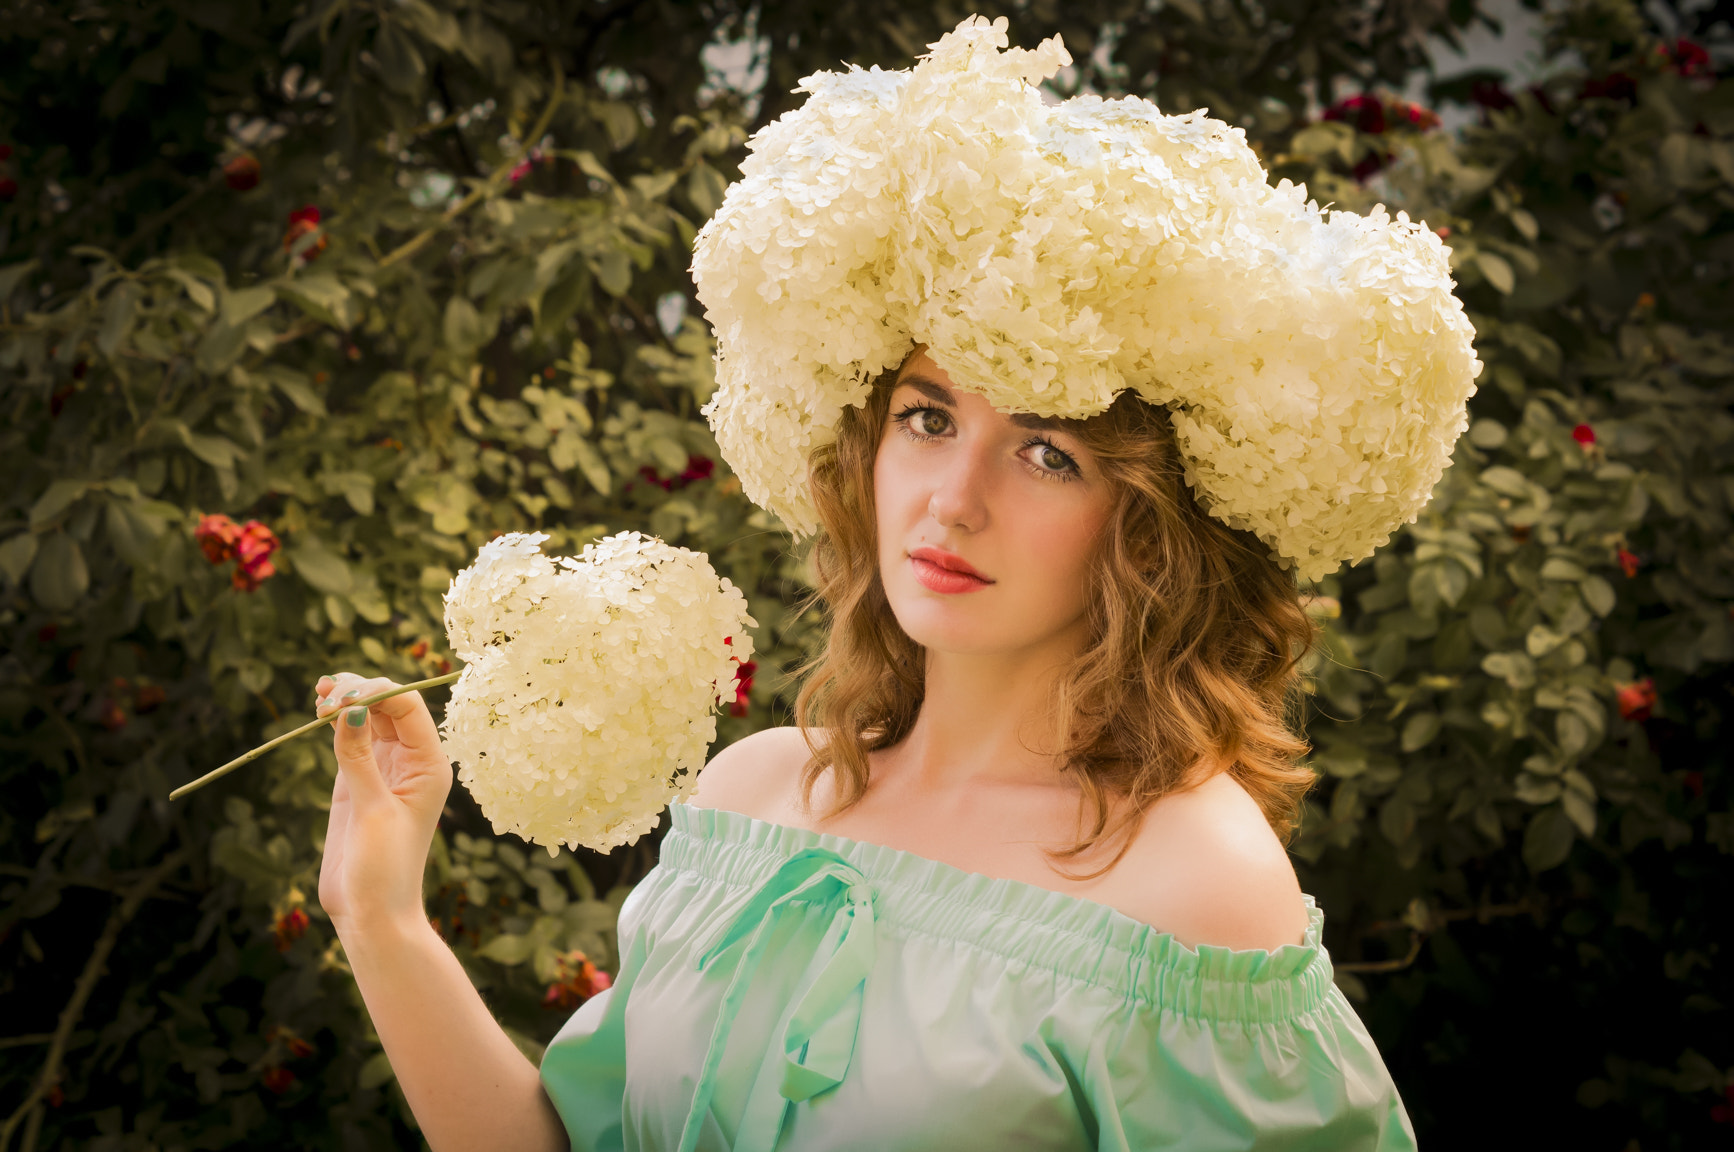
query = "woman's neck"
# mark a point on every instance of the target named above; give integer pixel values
(985, 719)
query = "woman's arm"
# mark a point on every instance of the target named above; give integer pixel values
(467, 1083)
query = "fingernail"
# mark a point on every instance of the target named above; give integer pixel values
(356, 717)
(352, 694)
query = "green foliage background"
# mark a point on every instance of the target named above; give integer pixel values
(485, 334)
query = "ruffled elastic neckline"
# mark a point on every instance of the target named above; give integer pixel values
(1030, 926)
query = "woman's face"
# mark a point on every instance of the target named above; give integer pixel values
(987, 521)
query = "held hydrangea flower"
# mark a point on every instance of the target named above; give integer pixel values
(1316, 363)
(591, 684)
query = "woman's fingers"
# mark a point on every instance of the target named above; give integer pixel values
(353, 743)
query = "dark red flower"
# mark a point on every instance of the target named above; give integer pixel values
(302, 222)
(1694, 782)
(148, 698)
(697, 468)
(444, 665)
(242, 173)
(1369, 164)
(1724, 1113)
(1491, 95)
(1365, 112)
(253, 549)
(743, 688)
(217, 536)
(1688, 58)
(278, 1080)
(47, 633)
(56, 1097)
(289, 927)
(112, 717)
(1613, 86)
(418, 649)
(519, 170)
(1629, 562)
(8, 189)
(575, 981)
(1637, 701)
(57, 399)
(1584, 435)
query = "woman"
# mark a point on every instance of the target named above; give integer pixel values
(1017, 878)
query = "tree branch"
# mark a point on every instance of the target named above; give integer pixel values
(69, 1015)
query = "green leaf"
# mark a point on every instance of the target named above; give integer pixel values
(400, 64)
(1420, 731)
(241, 306)
(1548, 839)
(508, 949)
(297, 387)
(59, 577)
(13, 275)
(614, 272)
(15, 557)
(1559, 568)
(61, 495)
(118, 313)
(1598, 594)
(1497, 271)
(705, 188)
(590, 463)
(197, 290)
(375, 1072)
(319, 566)
(321, 296)
(463, 327)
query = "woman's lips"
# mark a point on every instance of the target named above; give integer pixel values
(942, 571)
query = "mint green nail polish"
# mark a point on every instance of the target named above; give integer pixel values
(352, 694)
(356, 717)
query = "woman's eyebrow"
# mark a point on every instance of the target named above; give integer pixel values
(930, 389)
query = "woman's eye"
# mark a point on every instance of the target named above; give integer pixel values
(1050, 462)
(931, 422)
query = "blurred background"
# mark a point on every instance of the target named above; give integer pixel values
(301, 301)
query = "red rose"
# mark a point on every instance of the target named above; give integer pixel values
(217, 536)
(253, 549)
(1637, 701)
(1365, 112)
(1629, 563)
(302, 222)
(241, 173)
(1584, 435)
(289, 927)
(278, 1080)
(576, 980)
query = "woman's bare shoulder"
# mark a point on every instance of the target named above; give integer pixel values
(1206, 866)
(756, 775)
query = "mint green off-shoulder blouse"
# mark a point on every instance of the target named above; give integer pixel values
(784, 989)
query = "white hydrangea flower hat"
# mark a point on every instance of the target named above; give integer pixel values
(1316, 363)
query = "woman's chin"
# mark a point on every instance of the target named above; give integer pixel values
(961, 628)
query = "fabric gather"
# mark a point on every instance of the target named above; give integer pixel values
(1316, 363)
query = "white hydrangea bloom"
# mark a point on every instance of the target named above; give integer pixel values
(1050, 257)
(589, 695)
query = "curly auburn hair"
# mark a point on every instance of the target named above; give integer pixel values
(1194, 635)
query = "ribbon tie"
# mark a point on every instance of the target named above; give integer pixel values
(818, 1032)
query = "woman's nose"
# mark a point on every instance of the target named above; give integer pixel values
(960, 490)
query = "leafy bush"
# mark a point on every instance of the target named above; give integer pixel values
(287, 332)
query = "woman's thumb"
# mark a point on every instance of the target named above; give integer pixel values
(353, 743)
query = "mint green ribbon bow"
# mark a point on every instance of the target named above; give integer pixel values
(818, 1031)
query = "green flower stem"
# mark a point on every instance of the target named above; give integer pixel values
(322, 722)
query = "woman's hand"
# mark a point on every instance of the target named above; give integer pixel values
(392, 782)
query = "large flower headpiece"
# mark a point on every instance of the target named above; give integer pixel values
(1316, 363)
